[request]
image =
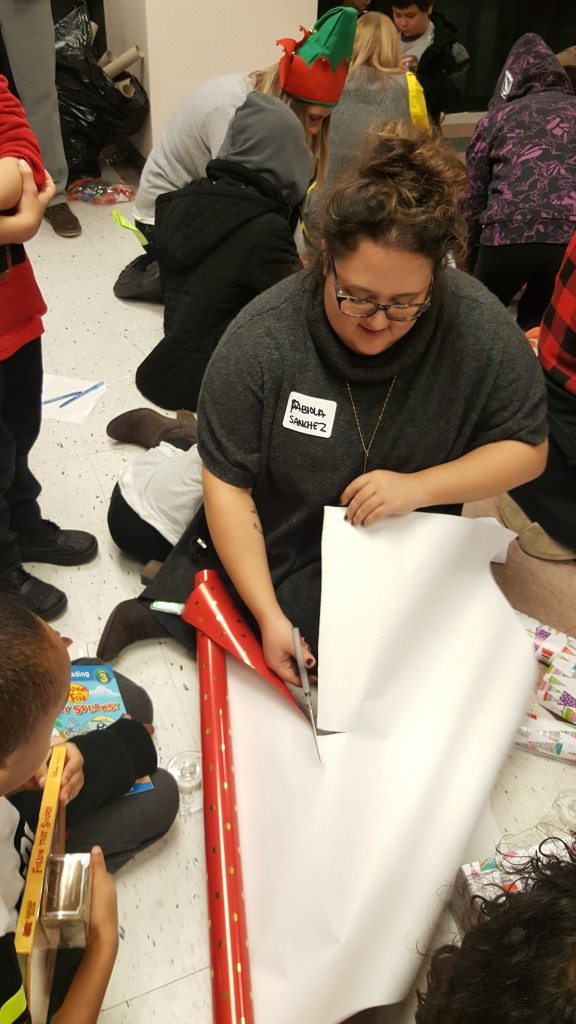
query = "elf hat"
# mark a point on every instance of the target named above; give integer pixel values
(314, 69)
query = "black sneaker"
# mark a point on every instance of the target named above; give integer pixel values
(41, 598)
(59, 547)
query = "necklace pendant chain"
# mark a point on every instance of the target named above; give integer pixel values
(367, 447)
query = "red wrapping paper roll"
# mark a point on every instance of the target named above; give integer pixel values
(231, 990)
(209, 608)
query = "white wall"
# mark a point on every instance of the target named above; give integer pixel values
(186, 42)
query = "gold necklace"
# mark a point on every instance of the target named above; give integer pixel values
(366, 448)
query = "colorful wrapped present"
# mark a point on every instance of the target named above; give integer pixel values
(557, 693)
(536, 736)
(508, 871)
(548, 643)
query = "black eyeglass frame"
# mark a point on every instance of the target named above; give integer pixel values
(421, 307)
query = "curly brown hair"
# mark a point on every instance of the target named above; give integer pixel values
(517, 965)
(402, 194)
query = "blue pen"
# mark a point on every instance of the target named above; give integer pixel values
(71, 396)
(80, 394)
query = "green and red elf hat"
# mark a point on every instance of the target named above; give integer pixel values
(314, 69)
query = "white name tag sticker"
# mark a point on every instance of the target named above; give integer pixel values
(309, 415)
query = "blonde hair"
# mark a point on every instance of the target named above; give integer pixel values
(267, 81)
(376, 44)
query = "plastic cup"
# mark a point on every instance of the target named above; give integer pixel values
(186, 767)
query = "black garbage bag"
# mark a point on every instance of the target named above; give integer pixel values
(93, 113)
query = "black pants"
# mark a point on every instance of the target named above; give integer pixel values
(551, 499)
(133, 535)
(20, 419)
(504, 269)
(148, 232)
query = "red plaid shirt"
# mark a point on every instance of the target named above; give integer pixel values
(557, 341)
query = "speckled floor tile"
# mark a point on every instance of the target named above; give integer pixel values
(184, 673)
(184, 1001)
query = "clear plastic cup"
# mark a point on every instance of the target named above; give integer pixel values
(186, 767)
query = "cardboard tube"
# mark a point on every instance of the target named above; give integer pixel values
(126, 88)
(104, 59)
(232, 1000)
(125, 60)
(94, 28)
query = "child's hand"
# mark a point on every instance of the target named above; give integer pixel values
(103, 928)
(22, 225)
(72, 776)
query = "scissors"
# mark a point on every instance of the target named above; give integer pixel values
(72, 396)
(305, 684)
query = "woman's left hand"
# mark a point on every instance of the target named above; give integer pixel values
(381, 493)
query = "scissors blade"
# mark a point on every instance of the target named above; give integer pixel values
(303, 672)
(313, 724)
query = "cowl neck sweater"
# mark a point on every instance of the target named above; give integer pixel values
(350, 366)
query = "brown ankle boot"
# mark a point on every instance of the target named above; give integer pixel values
(147, 427)
(129, 622)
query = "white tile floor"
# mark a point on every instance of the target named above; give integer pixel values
(162, 973)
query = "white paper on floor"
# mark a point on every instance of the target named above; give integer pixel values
(59, 401)
(425, 673)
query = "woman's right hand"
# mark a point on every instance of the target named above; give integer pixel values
(278, 648)
(103, 927)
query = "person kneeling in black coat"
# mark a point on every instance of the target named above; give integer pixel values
(224, 239)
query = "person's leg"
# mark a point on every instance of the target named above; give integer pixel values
(22, 416)
(28, 33)
(550, 500)
(544, 264)
(148, 230)
(9, 550)
(130, 824)
(502, 268)
(133, 535)
(20, 396)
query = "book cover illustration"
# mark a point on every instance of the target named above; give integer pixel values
(94, 702)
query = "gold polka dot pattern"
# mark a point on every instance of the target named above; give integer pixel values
(231, 994)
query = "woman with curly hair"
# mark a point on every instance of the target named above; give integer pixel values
(379, 379)
(517, 964)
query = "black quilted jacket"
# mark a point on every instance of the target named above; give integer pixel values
(222, 240)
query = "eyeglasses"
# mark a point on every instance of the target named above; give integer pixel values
(360, 309)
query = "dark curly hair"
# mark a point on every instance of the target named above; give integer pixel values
(403, 193)
(517, 965)
(28, 687)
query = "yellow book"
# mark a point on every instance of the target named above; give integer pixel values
(49, 837)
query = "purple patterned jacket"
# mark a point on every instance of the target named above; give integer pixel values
(522, 159)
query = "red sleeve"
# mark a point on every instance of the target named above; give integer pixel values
(16, 137)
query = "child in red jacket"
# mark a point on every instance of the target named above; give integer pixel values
(25, 191)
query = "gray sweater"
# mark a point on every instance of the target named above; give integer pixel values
(192, 137)
(274, 412)
(368, 101)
